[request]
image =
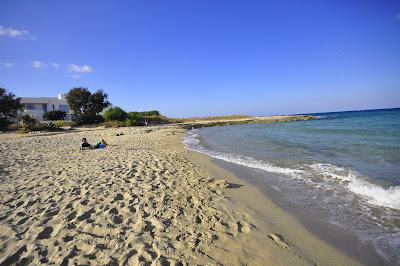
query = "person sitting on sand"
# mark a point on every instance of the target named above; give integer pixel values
(101, 144)
(85, 144)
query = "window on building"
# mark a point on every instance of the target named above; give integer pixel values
(44, 107)
(30, 106)
(64, 107)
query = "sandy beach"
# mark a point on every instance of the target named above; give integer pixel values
(143, 200)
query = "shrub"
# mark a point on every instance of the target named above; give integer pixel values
(89, 118)
(115, 113)
(29, 123)
(135, 118)
(50, 127)
(63, 123)
(9, 106)
(4, 123)
(150, 113)
(131, 123)
(55, 115)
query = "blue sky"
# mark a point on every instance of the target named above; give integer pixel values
(207, 57)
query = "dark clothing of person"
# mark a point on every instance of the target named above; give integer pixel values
(85, 145)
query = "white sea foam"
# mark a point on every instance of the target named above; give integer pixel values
(373, 193)
(354, 182)
(192, 142)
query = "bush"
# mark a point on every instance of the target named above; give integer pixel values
(115, 114)
(9, 107)
(4, 123)
(63, 123)
(132, 123)
(55, 115)
(150, 113)
(89, 118)
(29, 123)
(135, 118)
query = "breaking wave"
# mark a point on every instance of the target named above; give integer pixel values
(353, 181)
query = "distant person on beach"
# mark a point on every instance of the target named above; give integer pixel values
(85, 144)
(101, 144)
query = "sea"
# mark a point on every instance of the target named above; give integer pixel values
(338, 174)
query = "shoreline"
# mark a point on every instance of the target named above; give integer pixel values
(338, 237)
(144, 199)
(369, 241)
(271, 218)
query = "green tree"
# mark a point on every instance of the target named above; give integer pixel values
(9, 106)
(54, 115)
(97, 102)
(86, 105)
(78, 99)
(115, 113)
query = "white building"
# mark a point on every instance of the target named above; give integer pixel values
(37, 106)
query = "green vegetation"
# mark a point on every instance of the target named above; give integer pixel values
(9, 107)
(29, 124)
(115, 114)
(54, 115)
(63, 123)
(117, 117)
(86, 105)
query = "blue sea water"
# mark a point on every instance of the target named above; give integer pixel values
(347, 163)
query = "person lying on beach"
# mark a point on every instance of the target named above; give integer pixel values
(85, 144)
(101, 144)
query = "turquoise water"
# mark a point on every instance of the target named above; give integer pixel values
(347, 163)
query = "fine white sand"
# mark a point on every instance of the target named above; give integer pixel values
(142, 200)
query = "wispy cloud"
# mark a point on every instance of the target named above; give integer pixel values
(55, 65)
(8, 64)
(38, 64)
(80, 69)
(17, 34)
(76, 76)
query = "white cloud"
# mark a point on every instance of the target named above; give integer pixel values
(8, 64)
(76, 76)
(80, 69)
(38, 64)
(55, 65)
(18, 34)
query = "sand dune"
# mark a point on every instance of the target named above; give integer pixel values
(139, 201)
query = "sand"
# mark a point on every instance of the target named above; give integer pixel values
(143, 200)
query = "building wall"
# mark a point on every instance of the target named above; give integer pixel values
(37, 106)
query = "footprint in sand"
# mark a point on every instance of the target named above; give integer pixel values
(278, 239)
(45, 233)
(244, 227)
(119, 197)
